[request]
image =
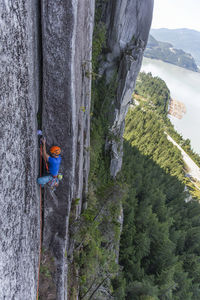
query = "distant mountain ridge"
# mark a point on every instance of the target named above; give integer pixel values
(167, 53)
(183, 38)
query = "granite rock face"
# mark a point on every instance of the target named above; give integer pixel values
(67, 48)
(128, 24)
(19, 194)
(56, 58)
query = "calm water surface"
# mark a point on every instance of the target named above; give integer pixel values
(184, 86)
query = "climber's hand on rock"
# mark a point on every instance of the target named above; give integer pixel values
(43, 140)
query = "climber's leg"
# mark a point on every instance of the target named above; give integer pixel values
(44, 180)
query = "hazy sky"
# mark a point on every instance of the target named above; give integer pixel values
(176, 14)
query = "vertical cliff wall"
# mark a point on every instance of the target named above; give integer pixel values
(67, 48)
(63, 73)
(19, 197)
(128, 24)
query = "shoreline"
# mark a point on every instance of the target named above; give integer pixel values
(176, 109)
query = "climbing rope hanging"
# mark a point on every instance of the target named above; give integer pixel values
(40, 247)
(46, 164)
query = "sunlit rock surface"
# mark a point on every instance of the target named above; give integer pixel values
(19, 194)
(67, 47)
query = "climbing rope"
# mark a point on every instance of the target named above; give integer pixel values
(46, 164)
(40, 248)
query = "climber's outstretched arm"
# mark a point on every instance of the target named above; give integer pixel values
(44, 154)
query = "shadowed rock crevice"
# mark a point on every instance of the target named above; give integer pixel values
(67, 47)
(40, 65)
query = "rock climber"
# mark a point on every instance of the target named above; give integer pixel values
(53, 160)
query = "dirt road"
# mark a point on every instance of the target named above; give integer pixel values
(193, 169)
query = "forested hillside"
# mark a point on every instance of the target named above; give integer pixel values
(182, 38)
(168, 53)
(154, 93)
(160, 242)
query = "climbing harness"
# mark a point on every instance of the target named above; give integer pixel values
(54, 183)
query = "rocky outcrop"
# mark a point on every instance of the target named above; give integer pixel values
(67, 47)
(128, 24)
(19, 195)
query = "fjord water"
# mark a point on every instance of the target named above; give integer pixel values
(184, 86)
